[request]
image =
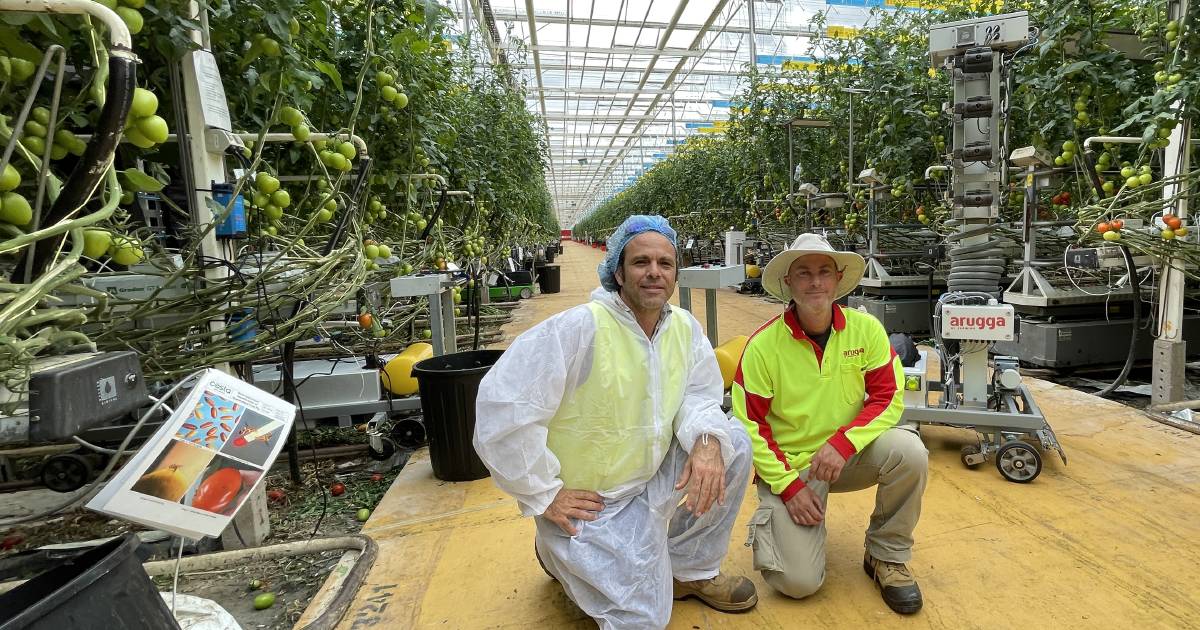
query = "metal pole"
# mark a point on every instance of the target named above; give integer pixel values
(850, 174)
(753, 36)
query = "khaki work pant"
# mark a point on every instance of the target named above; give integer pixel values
(791, 557)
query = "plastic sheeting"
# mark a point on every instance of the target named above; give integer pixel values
(197, 613)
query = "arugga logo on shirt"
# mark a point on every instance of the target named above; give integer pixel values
(846, 354)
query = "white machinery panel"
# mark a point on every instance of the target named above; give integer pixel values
(416, 286)
(712, 277)
(324, 382)
(980, 323)
(1000, 32)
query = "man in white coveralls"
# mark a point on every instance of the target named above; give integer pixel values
(600, 420)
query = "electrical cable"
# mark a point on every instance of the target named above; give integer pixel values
(1135, 284)
(175, 581)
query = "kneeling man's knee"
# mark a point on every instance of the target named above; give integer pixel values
(795, 584)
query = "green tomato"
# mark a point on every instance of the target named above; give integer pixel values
(260, 199)
(427, 334)
(364, 513)
(422, 224)
(35, 129)
(384, 79)
(300, 132)
(144, 104)
(137, 138)
(1145, 178)
(264, 601)
(324, 215)
(388, 93)
(294, 26)
(269, 46)
(132, 19)
(10, 179)
(401, 100)
(41, 114)
(153, 128)
(265, 182)
(281, 198)
(15, 209)
(273, 212)
(385, 251)
(134, 4)
(1128, 172)
(96, 242)
(58, 152)
(1133, 182)
(36, 145)
(330, 204)
(21, 69)
(127, 251)
(347, 149)
(371, 252)
(1108, 187)
(291, 116)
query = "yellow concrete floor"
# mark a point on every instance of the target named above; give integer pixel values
(1108, 541)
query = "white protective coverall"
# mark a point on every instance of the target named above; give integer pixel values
(618, 568)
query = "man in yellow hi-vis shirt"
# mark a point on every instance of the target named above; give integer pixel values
(599, 421)
(819, 390)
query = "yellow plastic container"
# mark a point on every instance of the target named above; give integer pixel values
(728, 356)
(397, 374)
(753, 271)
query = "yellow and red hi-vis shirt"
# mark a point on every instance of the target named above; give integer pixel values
(794, 397)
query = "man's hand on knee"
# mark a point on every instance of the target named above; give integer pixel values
(827, 464)
(703, 476)
(805, 508)
(578, 504)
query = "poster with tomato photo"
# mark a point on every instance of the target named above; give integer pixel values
(202, 465)
(222, 486)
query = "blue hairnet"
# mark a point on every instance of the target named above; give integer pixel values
(634, 225)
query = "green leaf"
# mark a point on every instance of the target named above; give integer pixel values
(141, 182)
(330, 71)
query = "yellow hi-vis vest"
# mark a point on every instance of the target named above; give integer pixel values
(617, 426)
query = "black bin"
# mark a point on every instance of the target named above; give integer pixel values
(449, 384)
(550, 279)
(105, 587)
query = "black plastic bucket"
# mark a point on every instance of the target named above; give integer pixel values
(104, 588)
(550, 278)
(449, 384)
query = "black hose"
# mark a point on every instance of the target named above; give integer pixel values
(82, 183)
(1135, 285)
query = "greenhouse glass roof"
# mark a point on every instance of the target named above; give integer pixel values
(620, 83)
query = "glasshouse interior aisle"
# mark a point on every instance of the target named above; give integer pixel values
(1088, 543)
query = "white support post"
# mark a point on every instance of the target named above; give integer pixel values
(1170, 351)
(207, 108)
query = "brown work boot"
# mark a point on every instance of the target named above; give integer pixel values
(896, 584)
(724, 593)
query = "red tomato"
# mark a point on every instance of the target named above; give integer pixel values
(1172, 222)
(1118, 224)
(377, 477)
(365, 320)
(337, 489)
(1103, 227)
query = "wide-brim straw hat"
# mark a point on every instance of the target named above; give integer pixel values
(850, 264)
